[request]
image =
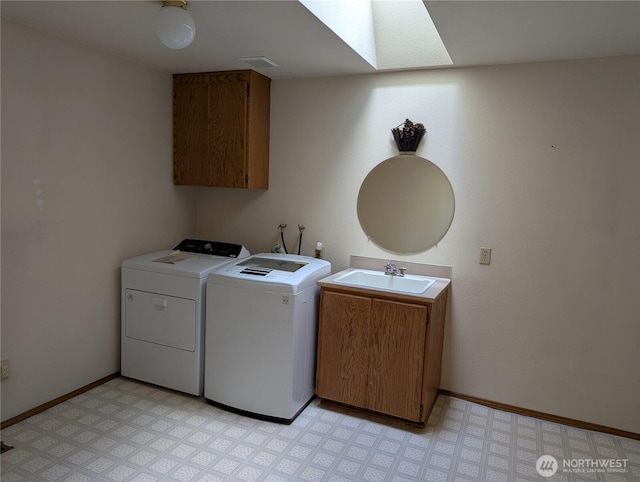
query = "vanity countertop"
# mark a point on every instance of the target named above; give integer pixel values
(436, 290)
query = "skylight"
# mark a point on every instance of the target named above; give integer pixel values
(388, 34)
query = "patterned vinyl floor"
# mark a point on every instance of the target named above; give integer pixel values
(130, 431)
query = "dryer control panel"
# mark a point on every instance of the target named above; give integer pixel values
(215, 248)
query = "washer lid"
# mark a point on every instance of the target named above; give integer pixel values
(262, 266)
(283, 273)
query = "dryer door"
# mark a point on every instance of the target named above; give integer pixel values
(160, 319)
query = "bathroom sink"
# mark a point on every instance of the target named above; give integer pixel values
(364, 278)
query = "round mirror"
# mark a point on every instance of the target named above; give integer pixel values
(406, 204)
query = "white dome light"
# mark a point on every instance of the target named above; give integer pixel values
(175, 27)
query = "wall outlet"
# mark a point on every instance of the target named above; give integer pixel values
(485, 255)
(4, 369)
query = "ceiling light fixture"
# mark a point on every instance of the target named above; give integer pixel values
(175, 27)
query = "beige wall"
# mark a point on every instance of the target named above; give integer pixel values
(544, 162)
(543, 159)
(86, 183)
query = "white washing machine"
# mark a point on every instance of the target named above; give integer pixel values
(262, 318)
(163, 309)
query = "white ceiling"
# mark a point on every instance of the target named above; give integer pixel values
(474, 32)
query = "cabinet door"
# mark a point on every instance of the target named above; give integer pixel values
(343, 340)
(228, 133)
(190, 136)
(396, 358)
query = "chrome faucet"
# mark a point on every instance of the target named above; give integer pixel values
(391, 270)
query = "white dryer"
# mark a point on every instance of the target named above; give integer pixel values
(261, 335)
(163, 309)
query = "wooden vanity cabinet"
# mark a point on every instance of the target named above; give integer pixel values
(221, 129)
(380, 354)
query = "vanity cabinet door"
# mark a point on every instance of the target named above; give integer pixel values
(343, 354)
(396, 358)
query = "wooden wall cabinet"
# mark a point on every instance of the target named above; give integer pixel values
(221, 129)
(379, 353)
